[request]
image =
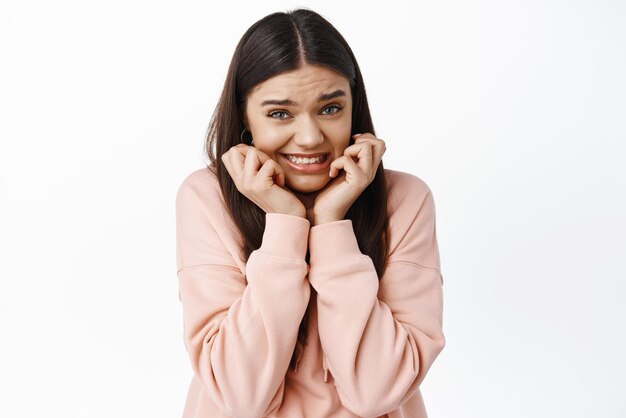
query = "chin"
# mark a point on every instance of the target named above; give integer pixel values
(304, 185)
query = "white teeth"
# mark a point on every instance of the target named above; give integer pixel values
(305, 160)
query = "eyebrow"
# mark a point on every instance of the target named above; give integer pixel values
(288, 102)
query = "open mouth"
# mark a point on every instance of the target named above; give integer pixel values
(309, 163)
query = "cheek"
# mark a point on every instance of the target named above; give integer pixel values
(270, 141)
(341, 142)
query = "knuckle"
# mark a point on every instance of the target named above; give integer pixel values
(252, 154)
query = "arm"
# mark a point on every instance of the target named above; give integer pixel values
(239, 339)
(380, 338)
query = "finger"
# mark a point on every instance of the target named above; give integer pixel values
(336, 166)
(379, 147)
(363, 152)
(352, 170)
(278, 174)
(263, 157)
(342, 163)
(236, 157)
(274, 171)
(250, 166)
(378, 150)
(363, 135)
(227, 160)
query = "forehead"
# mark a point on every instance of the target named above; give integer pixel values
(305, 83)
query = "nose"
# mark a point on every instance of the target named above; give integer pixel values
(308, 133)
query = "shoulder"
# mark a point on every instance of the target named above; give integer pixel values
(201, 181)
(199, 196)
(203, 221)
(200, 188)
(411, 208)
(405, 190)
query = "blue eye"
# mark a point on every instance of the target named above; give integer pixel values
(336, 107)
(278, 112)
(271, 114)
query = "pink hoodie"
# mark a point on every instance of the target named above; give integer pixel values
(370, 343)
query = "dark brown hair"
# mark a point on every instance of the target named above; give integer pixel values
(281, 42)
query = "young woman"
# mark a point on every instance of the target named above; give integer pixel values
(309, 275)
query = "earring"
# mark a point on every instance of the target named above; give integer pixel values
(243, 140)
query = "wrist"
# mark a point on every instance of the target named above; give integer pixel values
(292, 214)
(323, 218)
(299, 213)
(293, 211)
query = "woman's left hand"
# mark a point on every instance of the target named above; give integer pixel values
(334, 200)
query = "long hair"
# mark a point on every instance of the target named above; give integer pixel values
(281, 42)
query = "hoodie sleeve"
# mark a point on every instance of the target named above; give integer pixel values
(239, 340)
(380, 338)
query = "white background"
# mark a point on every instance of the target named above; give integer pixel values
(512, 112)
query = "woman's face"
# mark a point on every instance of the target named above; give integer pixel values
(303, 113)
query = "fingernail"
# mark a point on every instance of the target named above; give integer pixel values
(355, 135)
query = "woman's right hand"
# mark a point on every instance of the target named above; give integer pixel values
(261, 180)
